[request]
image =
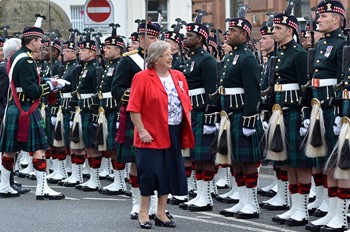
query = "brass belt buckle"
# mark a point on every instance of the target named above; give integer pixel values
(100, 95)
(222, 90)
(278, 87)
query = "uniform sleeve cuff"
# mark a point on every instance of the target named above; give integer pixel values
(250, 121)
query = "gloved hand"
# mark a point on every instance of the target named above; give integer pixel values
(217, 125)
(207, 130)
(302, 131)
(61, 83)
(248, 132)
(337, 125)
(117, 125)
(70, 124)
(265, 126)
(53, 120)
(306, 123)
(125, 97)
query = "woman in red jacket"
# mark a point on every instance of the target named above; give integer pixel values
(160, 107)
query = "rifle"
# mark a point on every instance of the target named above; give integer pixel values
(271, 79)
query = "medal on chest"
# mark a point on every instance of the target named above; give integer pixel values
(328, 51)
(192, 66)
(84, 73)
(110, 72)
(235, 59)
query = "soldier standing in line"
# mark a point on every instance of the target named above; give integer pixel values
(83, 124)
(68, 101)
(201, 74)
(130, 64)
(175, 41)
(135, 44)
(239, 97)
(328, 72)
(23, 129)
(290, 74)
(113, 50)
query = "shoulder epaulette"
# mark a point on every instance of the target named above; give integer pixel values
(130, 53)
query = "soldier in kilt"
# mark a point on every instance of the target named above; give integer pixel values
(283, 140)
(83, 129)
(23, 128)
(280, 200)
(113, 49)
(68, 101)
(328, 72)
(135, 44)
(201, 74)
(239, 96)
(130, 64)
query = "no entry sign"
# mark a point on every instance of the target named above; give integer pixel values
(98, 14)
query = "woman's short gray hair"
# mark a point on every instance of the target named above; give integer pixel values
(155, 51)
(11, 45)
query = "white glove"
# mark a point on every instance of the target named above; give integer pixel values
(117, 125)
(248, 132)
(53, 120)
(70, 124)
(95, 124)
(302, 131)
(337, 125)
(217, 125)
(306, 123)
(265, 126)
(61, 83)
(207, 130)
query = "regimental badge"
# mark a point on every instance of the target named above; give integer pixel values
(84, 73)
(240, 23)
(234, 62)
(329, 7)
(328, 51)
(113, 41)
(284, 19)
(110, 72)
(87, 45)
(192, 66)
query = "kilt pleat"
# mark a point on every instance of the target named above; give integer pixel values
(245, 149)
(37, 139)
(111, 116)
(88, 128)
(202, 149)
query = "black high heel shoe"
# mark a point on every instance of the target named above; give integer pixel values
(145, 225)
(159, 222)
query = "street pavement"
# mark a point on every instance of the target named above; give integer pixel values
(92, 211)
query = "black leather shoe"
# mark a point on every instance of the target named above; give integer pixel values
(278, 220)
(145, 225)
(134, 216)
(207, 207)
(226, 213)
(275, 207)
(153, 216)
(312, 227)
(192, 194)
(5, 195)
(88, 189)
(312, 211)
(175, 201)
(20, 189)
(229, 200)
(53, 181)
(50, 197)
(128, 194)
(183, 206)
(240, 215)
(71, 184)
(269, 193)
(330, 229)
(109, 192)
(319, 213)
(292, 222)
(159, 222)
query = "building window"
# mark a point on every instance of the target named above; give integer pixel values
(152, 12)
(77, 17)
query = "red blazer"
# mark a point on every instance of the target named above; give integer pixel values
(149, 98)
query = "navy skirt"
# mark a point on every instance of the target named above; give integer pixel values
(162, 169)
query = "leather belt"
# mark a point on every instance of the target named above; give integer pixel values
(198, 91)
(66, 95)
(317, 83)
(230, 91)
(286, 87)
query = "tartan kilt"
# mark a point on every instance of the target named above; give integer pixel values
(111, 117)
(49, 128)
(37, 139)
(88, 128)
(245, 149)
(296, 157)
(126, 150)
(66, 127)
(202, 149)
(331, 138)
